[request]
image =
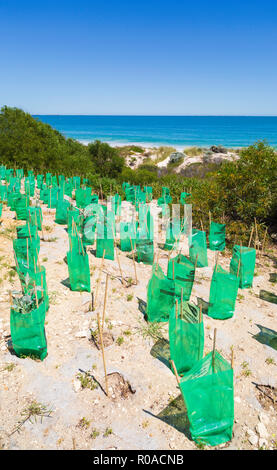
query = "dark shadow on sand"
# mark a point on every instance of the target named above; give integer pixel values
(161, 351)
(175, 415)
(266, 336)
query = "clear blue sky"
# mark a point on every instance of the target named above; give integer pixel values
(139, 57)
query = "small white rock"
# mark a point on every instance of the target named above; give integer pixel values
(264, 418)
(263, 442)
(77, 385)
(237, 399)
(81, 334)
(261, 430)
(253, 439)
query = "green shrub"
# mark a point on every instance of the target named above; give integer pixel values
(31, 144)
(106, 159)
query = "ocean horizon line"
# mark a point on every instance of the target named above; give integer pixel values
(158, 115)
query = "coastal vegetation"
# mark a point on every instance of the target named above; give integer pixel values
(240, 191)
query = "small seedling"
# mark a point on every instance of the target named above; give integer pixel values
(130, 297)
(129, 282)
(108, 432)
(34, 410)
(83, 423)
(246, 371)
(120, 340)
(151, 330)
(270, 360)
(94, 433)
(10, 367)
(127, 333)
(87, 381)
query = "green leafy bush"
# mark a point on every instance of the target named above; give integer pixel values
(31, 144)
(106, 159)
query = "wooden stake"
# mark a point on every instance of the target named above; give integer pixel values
(176, 315)
(238, 268)
(119, 265)
(99, 277)
(200, 313)
(92, 301)
(105, 301)
(36, 294)
(134, 263)
(175, 372)
(214, 343)
(202, 226)
(103, 354)
(232, 358)
(182, 303)
(256, 237)
(250, 238)
(27, 251)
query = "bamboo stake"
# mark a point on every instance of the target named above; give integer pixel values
(214, 343)
(199, 331)
(27, 251)
(134, 263)
(35, 294)
(105, 301)
(99, 277)
(38, 258)
(210, 217)
(202, 226)
(232, 358)
(238, 268)
(119, 265)
(256, 237)
(250, 238)
(200, 313)
(176, 315)
(42, 288)
(175, 372)
(182, 303)
(103, 354)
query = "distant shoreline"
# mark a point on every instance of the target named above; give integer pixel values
(149, 145)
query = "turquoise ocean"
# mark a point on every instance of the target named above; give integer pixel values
(175, 131)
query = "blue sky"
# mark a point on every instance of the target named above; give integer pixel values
(139, 57)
